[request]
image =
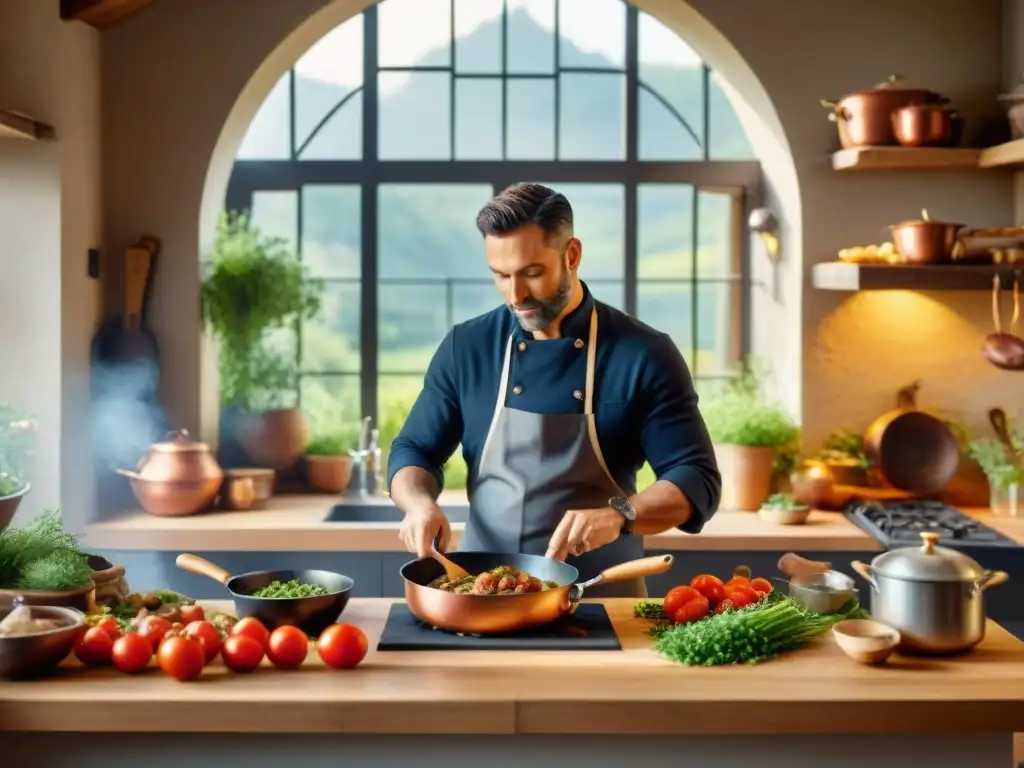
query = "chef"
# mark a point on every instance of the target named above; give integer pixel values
(557, 400)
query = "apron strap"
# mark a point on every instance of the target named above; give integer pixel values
(502, 394)
(591, 364)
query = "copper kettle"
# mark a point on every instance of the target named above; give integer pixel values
(176, 477)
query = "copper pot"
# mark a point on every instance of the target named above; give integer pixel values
(924, 241)
(176, 477)
(925, 125)
(912, 450)
(864, 118)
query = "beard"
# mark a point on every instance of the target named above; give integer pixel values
(546, 310)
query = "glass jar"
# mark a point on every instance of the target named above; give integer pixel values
(1006, 499)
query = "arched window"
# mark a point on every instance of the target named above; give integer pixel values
(375, 152)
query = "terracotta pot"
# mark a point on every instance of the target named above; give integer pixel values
(83, 598)
(274, 439)
(746, 475)
(330, 474)
(9, 505)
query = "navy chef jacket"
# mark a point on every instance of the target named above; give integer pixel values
(644, 399)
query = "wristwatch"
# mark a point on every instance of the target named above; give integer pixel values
(621, 505)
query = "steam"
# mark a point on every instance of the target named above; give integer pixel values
(126, 414)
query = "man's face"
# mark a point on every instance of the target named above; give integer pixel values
(533, 276)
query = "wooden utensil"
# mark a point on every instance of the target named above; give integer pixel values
(451, 570)
(793, 565)
(1005, 350)
(1000, 424)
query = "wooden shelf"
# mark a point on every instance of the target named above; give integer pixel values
(14, 125)
(840, 276)
(1010, 153)
(906, 159)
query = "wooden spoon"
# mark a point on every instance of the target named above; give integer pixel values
(452, 570)
(793, 565)
(997, 418)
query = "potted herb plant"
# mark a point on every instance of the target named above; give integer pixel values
(328, 463)
(783, 509)
(42, 564)
(754, 440)
(255, 286)
(1005, 472)
(16, 442)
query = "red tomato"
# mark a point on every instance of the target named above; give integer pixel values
(741, 595)
(181, 657)
(111, 626)
(251, 627)
(676, 598)
(93, 648)
(342, 646)
(154, 629)
(725, 605)
(288, 647)
(742, 581)
(710, 586)
(241, 653)
(692, 610)
(132, 652)
(761, 586)
(190, 613)
(208, 637)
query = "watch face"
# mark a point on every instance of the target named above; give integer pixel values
(621, 505)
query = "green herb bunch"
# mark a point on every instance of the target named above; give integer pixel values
(781, 501)
(740, 415)
(991, 456)
(16, 447)
(749, 635)
(254, 285)
(843, 447)
(336, 442)
(42, 556)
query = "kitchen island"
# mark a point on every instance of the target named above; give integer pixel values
(534, 708)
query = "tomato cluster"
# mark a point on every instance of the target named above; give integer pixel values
(707, 594)
(184, 650)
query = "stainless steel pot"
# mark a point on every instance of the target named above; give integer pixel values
(932, 595)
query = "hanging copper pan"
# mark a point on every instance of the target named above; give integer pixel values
(1005, 350)
(504, 614)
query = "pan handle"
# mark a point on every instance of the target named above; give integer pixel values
(201, 567)
(634, 569)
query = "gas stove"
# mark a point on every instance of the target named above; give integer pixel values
(900, 523)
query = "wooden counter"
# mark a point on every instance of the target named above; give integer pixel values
(296, 524)
(633, 691)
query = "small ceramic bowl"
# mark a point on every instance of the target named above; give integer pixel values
(796, 516)
(866, 641)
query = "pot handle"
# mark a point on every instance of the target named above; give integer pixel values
(865, 572)
(990, 579)
(634, 569)
(127, 473)
(202, 567)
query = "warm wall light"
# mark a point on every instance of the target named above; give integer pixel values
(763, 222)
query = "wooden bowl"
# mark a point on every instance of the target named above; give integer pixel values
(796, 516)
(82, 599)
(29, 656)
(866, 641)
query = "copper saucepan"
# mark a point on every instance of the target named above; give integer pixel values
(502, 614)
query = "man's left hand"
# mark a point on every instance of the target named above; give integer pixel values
(582, 530)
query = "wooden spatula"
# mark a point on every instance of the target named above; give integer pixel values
(792, 565)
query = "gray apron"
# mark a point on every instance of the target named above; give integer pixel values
(535, 467)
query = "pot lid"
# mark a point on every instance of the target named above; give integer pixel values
(179, 442)
(928, 562)
(926, 219)
(892, 83)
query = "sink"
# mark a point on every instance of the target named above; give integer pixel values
(382, 513)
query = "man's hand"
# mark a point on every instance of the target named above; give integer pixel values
(582, 530)
(419, 529)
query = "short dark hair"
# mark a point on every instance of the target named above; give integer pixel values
(526, 203)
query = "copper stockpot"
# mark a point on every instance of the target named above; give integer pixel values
(864, 118)
(926, 125)
(924, 241)
(504, 614)
(176, 477)
(912, 450)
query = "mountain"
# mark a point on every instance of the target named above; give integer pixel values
(428, 232)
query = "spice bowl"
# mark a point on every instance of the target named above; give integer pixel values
(866, 641)
(23, 657)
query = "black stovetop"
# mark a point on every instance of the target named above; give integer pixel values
(899, 523)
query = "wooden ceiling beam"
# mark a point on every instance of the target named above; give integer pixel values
(101, 14)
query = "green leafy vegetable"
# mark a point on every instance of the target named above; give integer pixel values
(749, 635)
(293, 588)
(649, 609)
(782, 501)
(991, 457)
(42, 556)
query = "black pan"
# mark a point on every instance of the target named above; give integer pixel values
(310, 614)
